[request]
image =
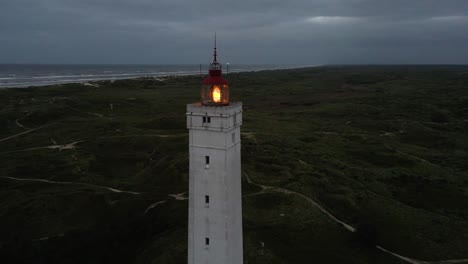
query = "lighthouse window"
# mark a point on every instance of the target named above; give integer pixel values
(233, 137)
(207, 160)
(206, 119)
(207, 241)
(207, 199)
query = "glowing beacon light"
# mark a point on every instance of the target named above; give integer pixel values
(215, 89)
(216, 94)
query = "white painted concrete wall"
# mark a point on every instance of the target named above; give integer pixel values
(221, 219)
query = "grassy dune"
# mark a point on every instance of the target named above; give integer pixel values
(384, 149)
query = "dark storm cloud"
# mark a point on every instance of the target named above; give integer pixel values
(255, 31)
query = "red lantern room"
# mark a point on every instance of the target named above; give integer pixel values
(215, 89)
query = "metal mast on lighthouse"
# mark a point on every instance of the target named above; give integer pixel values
(215, 89)
(214, 55)
(215, 196)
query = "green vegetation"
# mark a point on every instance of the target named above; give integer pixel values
(384, 149)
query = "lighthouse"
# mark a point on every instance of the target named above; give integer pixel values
(215, 198)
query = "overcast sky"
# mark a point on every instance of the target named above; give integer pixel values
(249, 31)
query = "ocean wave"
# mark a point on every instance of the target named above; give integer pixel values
(42, 77)
(61, 81)
(109, 75)
(80, 76)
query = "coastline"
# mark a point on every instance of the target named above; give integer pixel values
(60, 79)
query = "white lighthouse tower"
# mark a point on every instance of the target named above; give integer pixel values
(215, 199)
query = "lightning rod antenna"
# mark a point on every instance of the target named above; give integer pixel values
(215, 53)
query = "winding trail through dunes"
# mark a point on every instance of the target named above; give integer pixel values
(25, 132)
(311, 201)
(70, 183)
(154, 205)
(96, 114)
(179, 196)
(406, 154)
(59, 147)
(415, 261)
(345, 225)
(21, 125)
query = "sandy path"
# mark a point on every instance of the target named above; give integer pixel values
(347, 226)
(96, 114)
(179, 196)
(154, 205)
(69, 183)
(406, 154)
(21, 125)
(59, 147)
(25, 132)
(264, 188)
(416, 261)
(311, 201)
(316, 204)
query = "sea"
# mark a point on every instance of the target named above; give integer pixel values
(26, 75)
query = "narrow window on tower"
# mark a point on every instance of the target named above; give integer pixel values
(233, 137)
(207, 162)
(207, 199)
(207, 241)
(208, 119)
(204, 119)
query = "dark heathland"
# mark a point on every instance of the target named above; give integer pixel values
(382, 148)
